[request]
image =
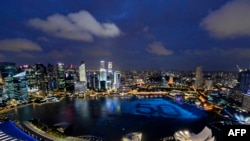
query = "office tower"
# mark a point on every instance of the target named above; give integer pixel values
(102, 64)
(7, 68)
(117, 80)
(198, 78)
(81, 86)
(244, 87)
(41, 79)
(244, 81)
(20, 86)
(82, 72)
(93, 80)
(110, 78)
(60, 83)
(51, 76)
(70, 78)
(103, 76)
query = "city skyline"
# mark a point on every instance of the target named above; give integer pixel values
(169, 35)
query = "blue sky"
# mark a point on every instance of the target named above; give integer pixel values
(133, 34)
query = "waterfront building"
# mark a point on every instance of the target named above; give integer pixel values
(81, 85)
(7, 68)
(51, 76)
(110, 78)
(117, 79)
(70, 78)
(103, 76)
(79, 88)
(41, 80)
(20, 86)
(93, 80)
(60, 77)
(30, 76)
(82, 72)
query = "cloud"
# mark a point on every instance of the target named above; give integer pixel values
(234, 52)
(80, 26)
(230, 21)
(2, 56)
(26, 55)
(99, 53)
(55, 54)
(19, 45)
(158, 49)
(44, 39)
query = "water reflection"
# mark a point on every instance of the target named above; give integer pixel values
(111, 106)
(111, 117)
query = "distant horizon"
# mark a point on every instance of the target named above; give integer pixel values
(98, 67)
(134, 35)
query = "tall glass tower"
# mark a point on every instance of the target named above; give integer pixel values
(82, 72)
(60, 76)
(110, 78)
(244, 81)
(103, 76)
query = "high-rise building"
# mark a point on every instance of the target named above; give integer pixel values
(117, 79)
(82, 72)
(93, 80)
(103, 76)
(199, 81)
(41, 77)
(60, 77)
(20, 86)
(51, 76)
(8, 69)
(110, 76)
(70, 78)
(244, 81)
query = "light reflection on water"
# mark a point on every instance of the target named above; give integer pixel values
(112, 117)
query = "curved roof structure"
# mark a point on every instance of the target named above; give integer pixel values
(10, 132)
(204, 135)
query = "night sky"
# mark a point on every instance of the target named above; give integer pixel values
(133, 34)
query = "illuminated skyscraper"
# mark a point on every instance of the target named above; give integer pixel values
(198, 78)
(60, 76)
(8, 70)
(110, 78)
(82, 72)
(20, 86)
(244, 81)
(103, 76)
(117, 79)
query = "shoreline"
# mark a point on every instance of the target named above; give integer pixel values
(3, 111)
